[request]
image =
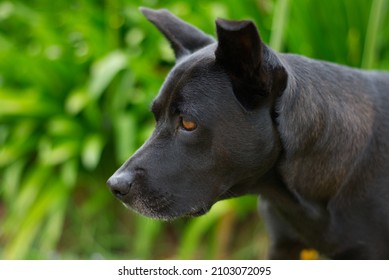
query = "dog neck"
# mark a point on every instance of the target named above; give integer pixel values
(324, 127)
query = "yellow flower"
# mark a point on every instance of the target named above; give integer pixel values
(309, 254)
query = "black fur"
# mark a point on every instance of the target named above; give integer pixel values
(310, 137)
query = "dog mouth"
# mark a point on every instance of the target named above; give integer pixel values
(197, 213)
(162, 210)
(171, 213)
(165, 215)
(162, 204)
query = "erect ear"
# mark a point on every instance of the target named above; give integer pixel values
(183, 37)
(254, 70)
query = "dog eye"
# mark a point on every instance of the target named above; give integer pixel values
(187, 125)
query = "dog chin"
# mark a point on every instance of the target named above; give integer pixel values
(198, 213)
(167, 215)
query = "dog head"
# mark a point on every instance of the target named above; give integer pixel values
(215, 134)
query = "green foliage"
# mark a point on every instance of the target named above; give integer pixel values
(76, 81)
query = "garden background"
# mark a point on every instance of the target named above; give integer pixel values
(76, 82)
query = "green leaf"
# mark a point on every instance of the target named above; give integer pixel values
(104, 70)
(147, 230)
(125, 135)
(26, 103)
(198, 227)
(53, 153)
(32, 223)
(377, 15)
(10, 185)
(64, 126)
(77, 101)
(91, 151)
(69, 172)
(280, 19)
(31, 186)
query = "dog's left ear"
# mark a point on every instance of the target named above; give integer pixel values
(254, 69)
(183, 37)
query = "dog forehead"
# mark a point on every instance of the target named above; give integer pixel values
(191, 77)
(193, 66)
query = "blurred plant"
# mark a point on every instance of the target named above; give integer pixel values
(76, 81)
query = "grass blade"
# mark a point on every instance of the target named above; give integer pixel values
(279, 22)
(377, 14)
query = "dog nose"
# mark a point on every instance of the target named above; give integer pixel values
(120, 185)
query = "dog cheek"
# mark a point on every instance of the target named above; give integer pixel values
(248, 149)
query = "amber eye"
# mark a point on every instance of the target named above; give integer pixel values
(187, 124)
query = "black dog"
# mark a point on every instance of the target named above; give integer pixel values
(234, 118)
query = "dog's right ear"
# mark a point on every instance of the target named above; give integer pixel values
(254, 69)
(183, 37)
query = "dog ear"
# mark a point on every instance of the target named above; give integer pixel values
(254, 70)
(183, 37)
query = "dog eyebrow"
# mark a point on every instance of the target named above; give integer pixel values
(157, 107)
